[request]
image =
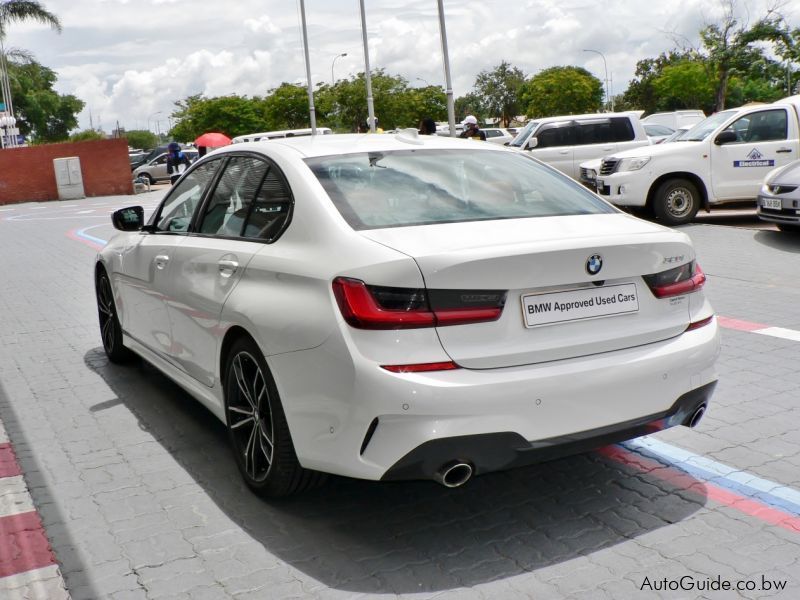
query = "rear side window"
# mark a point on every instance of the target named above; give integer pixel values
(622, 129)
(595, 132)
(251, 200)
(417, 187)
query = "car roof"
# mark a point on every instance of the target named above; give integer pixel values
(327, 145)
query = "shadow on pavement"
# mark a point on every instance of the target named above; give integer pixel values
(785, 241)
(407, 537)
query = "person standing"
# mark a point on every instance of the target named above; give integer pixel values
(471, 129)
(177, 162)
(427, 126)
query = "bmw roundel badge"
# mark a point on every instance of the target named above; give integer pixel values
(594, 264)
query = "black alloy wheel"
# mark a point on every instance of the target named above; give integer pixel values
(257, 426)
(110, 329)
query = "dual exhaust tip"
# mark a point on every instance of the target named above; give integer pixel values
(454, 474)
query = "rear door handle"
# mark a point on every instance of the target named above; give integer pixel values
(161, 261)
(783, 150)
(227, 267)
(563, 151)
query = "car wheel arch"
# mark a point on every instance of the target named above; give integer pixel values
(232, 335)
(695, 179)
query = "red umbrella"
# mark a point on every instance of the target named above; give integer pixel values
(212, 140)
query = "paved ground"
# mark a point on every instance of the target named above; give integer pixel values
(139, 496)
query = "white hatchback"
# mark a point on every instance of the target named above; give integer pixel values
(398, 307)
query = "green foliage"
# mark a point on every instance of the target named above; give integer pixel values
(684, 84)
(562, 91)
(286, 107)
(499, 91)
(87, 135)
(469, 104)
(231, 115)
(42, 113)
(141, 138)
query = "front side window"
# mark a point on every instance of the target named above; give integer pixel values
(175, 213)
(417, 187)
(764, 126)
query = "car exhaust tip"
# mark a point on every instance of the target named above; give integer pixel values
(694, 419)
(454, 474)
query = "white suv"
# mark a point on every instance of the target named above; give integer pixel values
(566, 142)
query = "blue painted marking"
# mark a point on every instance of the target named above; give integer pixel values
(735, 480)
(82, 233)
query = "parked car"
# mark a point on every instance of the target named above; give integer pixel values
(657, 133)
(566, 142)
(720, 160)
(779, 199)
(156, 169)
(497, 135)
(406, 307)
(284, 133)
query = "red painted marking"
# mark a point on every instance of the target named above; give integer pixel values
(73, 235)
(729, 323)
(8, 462)
(23, 544)
(684, 481)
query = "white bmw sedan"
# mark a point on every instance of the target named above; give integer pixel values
(396, 307)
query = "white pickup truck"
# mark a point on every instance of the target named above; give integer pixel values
(721, 159)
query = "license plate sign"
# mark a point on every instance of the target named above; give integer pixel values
(577, 305)
(771, 203)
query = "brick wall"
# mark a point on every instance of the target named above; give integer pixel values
(27, 174)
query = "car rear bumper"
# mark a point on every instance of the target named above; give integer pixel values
(348, 416)
(500, 451)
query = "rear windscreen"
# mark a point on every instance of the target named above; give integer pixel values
(416, 187)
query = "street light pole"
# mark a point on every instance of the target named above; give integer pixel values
(158, 112)
(605, 68)
(367, 74)
(451, 110)
(312, 112)
(333, 81)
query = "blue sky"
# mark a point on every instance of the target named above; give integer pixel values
(129, 60)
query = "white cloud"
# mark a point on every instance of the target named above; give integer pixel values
(128, 60)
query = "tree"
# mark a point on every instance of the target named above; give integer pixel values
(286, 107)
(141, 138)
(42, 113)
(232, 115)
(729, 45)
(562, 91)
(25, 10)
(86, 135)
(684, 84)
(469, 104)
(499, 91)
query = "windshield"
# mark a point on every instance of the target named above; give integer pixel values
(419, 187)
(704, 128)
(524, 134)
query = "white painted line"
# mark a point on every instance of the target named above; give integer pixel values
(5, 209)
(38, 207)
(40, 584)
(780, 332)
(14, 496)
(69, 206)
(3, 435)
(84, 212)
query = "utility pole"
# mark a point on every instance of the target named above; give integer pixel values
(311, 110)
(368, 77)
(451, 110)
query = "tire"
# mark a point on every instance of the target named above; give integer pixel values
(110, 329)
(788, 228)
(257, 427)
(147, 177)
(676, 202)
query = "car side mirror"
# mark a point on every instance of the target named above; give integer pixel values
(726, 137)
(128, 219)
(532, 143)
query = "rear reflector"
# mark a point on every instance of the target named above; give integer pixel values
(681, 280)
(377, 307)
(421, 367)
(700, 323)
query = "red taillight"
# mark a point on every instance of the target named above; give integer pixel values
(676, 282)
(700, 323)
(375, 307)
(421, 367)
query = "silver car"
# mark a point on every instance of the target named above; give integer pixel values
(779, 198)
(156, 169)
